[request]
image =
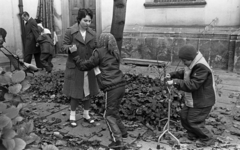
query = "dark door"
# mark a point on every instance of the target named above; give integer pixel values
(76, 4)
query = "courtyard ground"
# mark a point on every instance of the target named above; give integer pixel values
(225, 110)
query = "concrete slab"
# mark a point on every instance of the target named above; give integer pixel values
(85, 130)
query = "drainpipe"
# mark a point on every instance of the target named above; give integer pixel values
(20, 5)
(231, 52)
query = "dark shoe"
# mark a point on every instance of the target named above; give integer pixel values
(90, 120)
(205, 143)
(124, 136)
(116, 144)
(191, 138)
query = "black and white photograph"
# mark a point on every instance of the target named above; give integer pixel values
(119, 75)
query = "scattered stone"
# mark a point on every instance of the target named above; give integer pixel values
(90, 148)
(63, 113)
(52, 96)
(58, 135)
(139, 145)
(97, 124)
(61, 143)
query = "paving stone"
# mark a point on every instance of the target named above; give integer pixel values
(84, 132)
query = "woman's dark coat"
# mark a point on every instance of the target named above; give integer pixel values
(74, 78)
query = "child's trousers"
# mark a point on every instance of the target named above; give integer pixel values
(111, 115)
(46, 60)
(193, 120)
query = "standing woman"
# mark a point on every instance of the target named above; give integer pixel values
(106, 62)
(80, 85)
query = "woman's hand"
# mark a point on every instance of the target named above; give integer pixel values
(73, 48)
(170, 82)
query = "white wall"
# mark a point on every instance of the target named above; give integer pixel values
(135, 14)
(227, 12)
(10, 21)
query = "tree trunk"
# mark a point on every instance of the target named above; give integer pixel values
(118, 21)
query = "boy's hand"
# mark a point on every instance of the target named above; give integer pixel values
(73, 48)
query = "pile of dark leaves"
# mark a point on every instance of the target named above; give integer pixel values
(145, 100)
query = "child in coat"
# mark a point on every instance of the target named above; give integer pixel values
(197, 81)
(47, 48)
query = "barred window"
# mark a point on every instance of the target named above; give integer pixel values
(152, 3)
(175, 1)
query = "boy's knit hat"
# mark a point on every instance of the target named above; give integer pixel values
(187, 52)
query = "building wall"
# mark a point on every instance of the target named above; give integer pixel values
(227, 12)
(10, 20)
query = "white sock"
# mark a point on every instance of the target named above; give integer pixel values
(72, 115)
(86, 114)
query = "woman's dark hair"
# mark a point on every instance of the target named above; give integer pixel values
(83, 12)
(25, 14)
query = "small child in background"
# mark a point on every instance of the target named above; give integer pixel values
(45, 42)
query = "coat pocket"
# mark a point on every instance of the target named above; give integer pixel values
(70, 65)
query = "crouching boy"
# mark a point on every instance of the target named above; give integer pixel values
(197, 81)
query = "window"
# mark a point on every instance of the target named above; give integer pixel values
(155, 3)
